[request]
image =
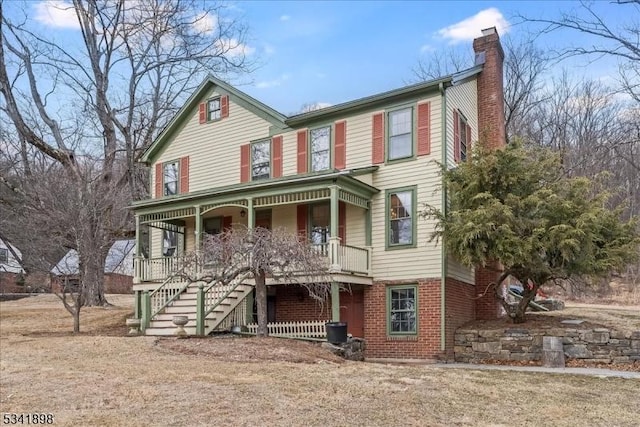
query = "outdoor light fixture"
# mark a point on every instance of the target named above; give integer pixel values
(242, 213)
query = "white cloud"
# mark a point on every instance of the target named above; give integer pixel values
(427, 48)
(285, 18)
(273, 83)
(468, 29)
(56, 13)
(205, 23)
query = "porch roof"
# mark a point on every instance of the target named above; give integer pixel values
(269, 192)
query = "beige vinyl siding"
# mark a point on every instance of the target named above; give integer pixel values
(459, 271)
(463, 97)
(156, 242)
(284, 217)
(355, 227)
(290, 153)
(359, 140)
(425, 259)
(214, 147)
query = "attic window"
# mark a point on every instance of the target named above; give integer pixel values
(214, 109)
(4, 256)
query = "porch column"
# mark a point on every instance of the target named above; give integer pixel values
(333, 230)
(136, 261)
(334, 240)
(251, 218)
(335, 302)
(368, 225)
(198, 232)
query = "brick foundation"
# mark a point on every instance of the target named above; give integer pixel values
(487, 306)
(460, 308)
(424, 345)
(293, 304)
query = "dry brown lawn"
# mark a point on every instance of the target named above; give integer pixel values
(102, 378)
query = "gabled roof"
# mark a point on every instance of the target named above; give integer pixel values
(282, 121)
(210, 82)
(369, 102)
(119, 260)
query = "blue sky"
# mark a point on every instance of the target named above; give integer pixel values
(332, 52)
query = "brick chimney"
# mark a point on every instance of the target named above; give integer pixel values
(491, 122)
(491, 132)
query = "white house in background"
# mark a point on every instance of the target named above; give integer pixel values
(118, 267)
(8, 262)
(10, 269)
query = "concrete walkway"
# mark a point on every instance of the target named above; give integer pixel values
(596, 372)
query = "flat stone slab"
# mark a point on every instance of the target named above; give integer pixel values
(572, 322)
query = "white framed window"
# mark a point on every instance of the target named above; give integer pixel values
(170, 178)
(320, 148)
(4, 256)
(400, 143)
(214, 110)
(261, 160)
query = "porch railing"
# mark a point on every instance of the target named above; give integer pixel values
(341, 258)
(308, 329)
(157, 269)
(354, 259)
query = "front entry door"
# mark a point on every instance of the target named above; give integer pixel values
(352, 311)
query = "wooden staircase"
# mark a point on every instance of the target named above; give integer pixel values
(186, 305)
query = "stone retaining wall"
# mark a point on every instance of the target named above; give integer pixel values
(599, 345)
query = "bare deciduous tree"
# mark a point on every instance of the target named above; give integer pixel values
(104, 96)
(259, 254)
(616, 38)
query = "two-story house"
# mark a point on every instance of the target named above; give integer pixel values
(351, 177)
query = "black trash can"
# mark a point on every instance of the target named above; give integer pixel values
(336, 332)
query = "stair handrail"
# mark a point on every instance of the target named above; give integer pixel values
(163, 286)
(235, 283)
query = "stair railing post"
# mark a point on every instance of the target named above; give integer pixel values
(200, 311)
(146, 311)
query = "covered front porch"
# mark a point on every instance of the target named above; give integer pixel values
(326, 209)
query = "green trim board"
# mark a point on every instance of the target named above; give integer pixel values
(403, 94)
(413, 215)
(284, 185)
(389, 302)
(443, 261)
